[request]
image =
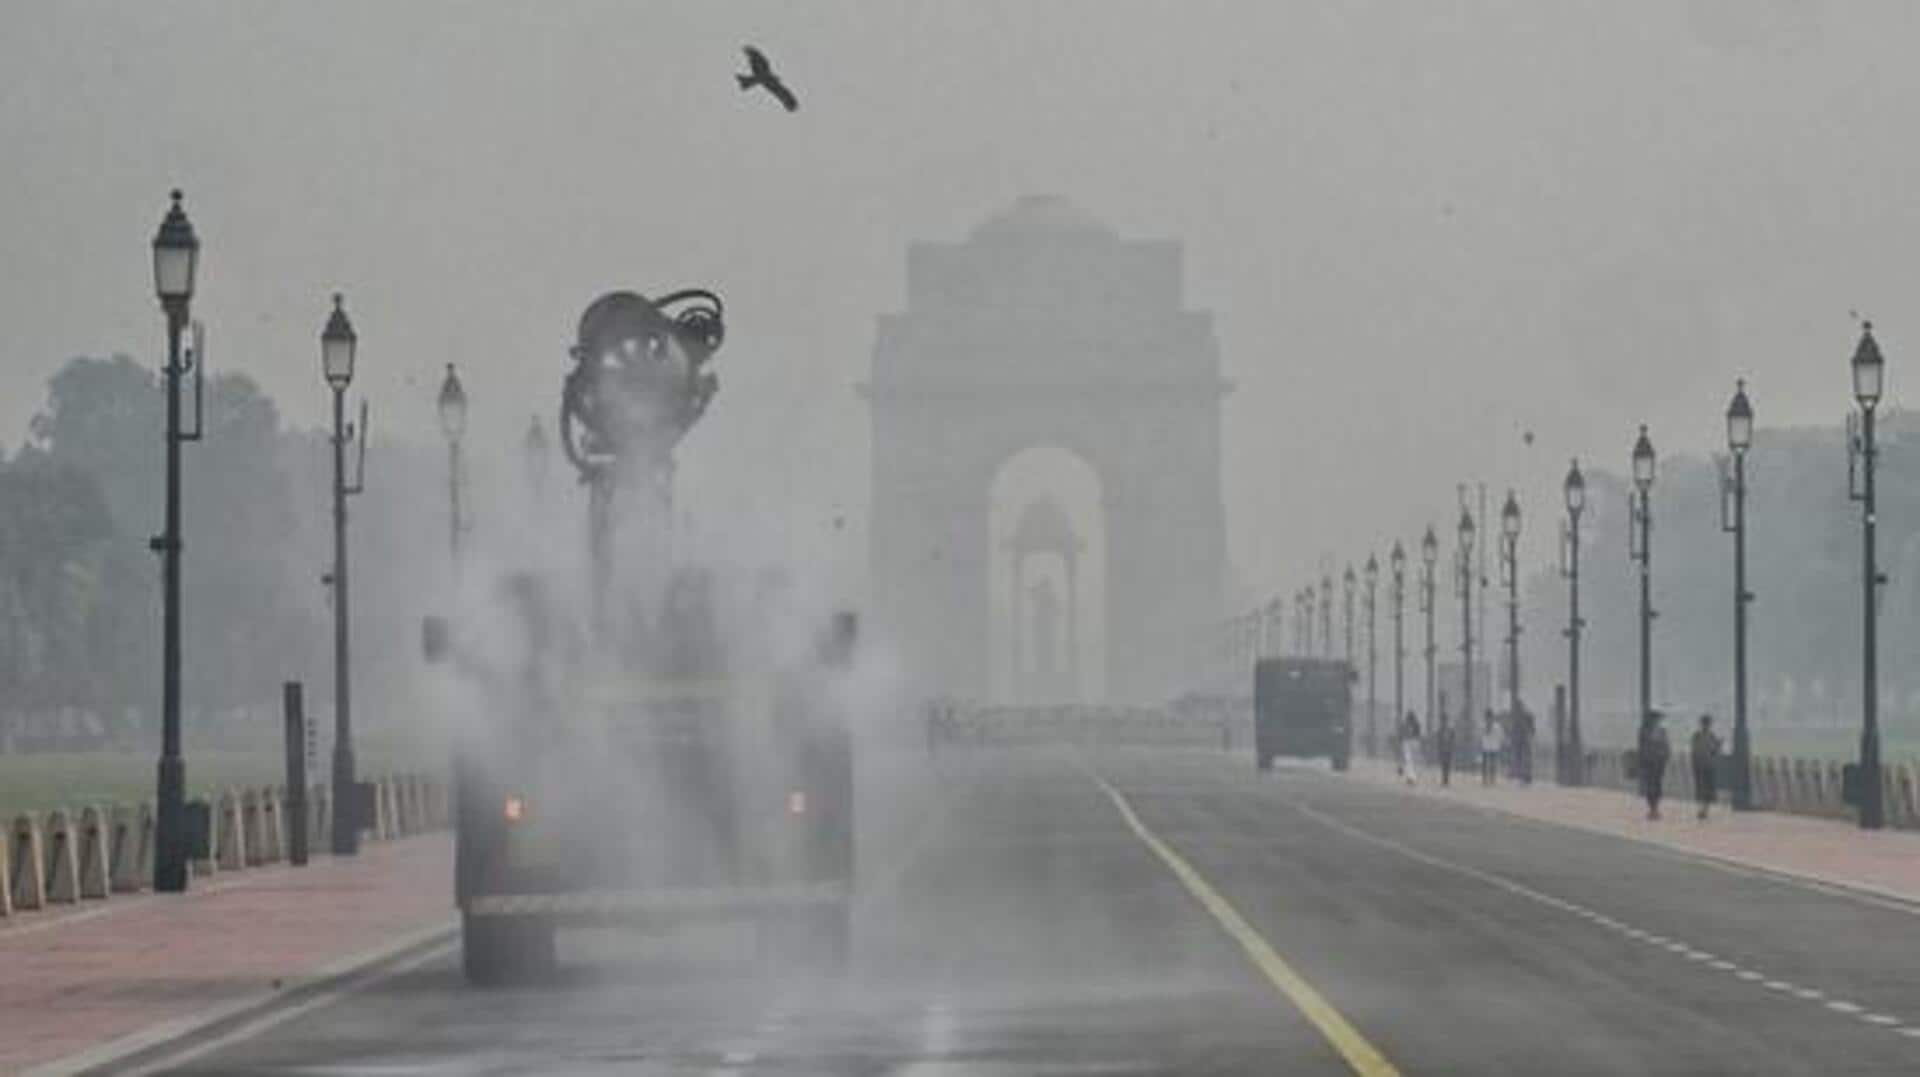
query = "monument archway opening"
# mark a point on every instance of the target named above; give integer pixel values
(1046, 328)
(1046, 579)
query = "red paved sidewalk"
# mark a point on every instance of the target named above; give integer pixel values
(71, 981)
(1828, 850)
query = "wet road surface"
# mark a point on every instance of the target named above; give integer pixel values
(1013, 920)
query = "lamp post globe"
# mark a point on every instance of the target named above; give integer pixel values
(1740, 419)
(176, 258)
(1575, 489)
(1510, 517)
(1429, 548)
(452, 406)
(1643, 461)
(1869, 369)
(338, 343)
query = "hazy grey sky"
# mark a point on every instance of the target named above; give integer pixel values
(1422, 226)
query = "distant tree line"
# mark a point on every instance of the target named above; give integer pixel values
(79, 587)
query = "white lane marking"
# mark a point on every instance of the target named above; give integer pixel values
(1810, 994)
(1910, 1031)
(739, 1058)
(1777, 985)
(1627, 930)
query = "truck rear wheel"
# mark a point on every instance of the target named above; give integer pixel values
(497, 951)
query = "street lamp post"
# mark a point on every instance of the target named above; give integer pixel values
(1733, 519)
(1465, 570)
(1640, 549)
(1349, 582)
(1305, 603)
(1398, 561)
(1429, 556)
(1574, 766)
(1372, 573)
(1326, 616)
(176, 257)
(1510, 568)
(1869, 377)
(338, 343)
(453, 424)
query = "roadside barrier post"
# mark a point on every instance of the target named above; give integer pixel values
(296, 730)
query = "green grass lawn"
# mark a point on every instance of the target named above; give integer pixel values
(69, 779)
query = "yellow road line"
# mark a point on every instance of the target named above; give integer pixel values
(1361, 1055)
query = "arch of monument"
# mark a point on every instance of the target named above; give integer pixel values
(1043, 635)
(1045, 328)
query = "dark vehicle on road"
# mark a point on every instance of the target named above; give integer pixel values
(682, 793)
(1302, 708)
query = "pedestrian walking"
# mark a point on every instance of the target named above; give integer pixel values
(1522, 745)
(1492, 742)
(1706, 763)
(1655, 750)
(1443, 744)
(1410, 748)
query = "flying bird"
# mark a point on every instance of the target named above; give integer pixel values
(760, 74)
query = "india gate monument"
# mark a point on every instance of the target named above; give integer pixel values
(1044, 329)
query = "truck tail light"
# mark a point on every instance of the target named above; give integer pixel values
(514, 809)
(797, 802)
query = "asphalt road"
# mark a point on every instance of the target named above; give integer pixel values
(1015, 921)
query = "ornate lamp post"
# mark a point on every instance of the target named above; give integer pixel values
(1398, 561)
(1305, 604)
(1326, 615)
(1464, 570)
(1869, 377)
(1733, 519)
(453, 425)
(1349, 582)
(1430, 556)
(1510, 568)
(1372, 572)
(338, 343)
(1574, 767)
(1640, 543)
(176, 259)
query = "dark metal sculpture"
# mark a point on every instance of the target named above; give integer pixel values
(639, 383)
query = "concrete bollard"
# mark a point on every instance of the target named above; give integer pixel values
(1801, 786)
(320, 797)
(229, 833)
(210, 863)
(250, 826)
(130, 849)
(96, 880)
(1909, 794)
(62, 872)
(273, 826)
(29, 879)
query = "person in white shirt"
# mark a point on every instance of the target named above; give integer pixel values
(1492, 741)
(1410, 748)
